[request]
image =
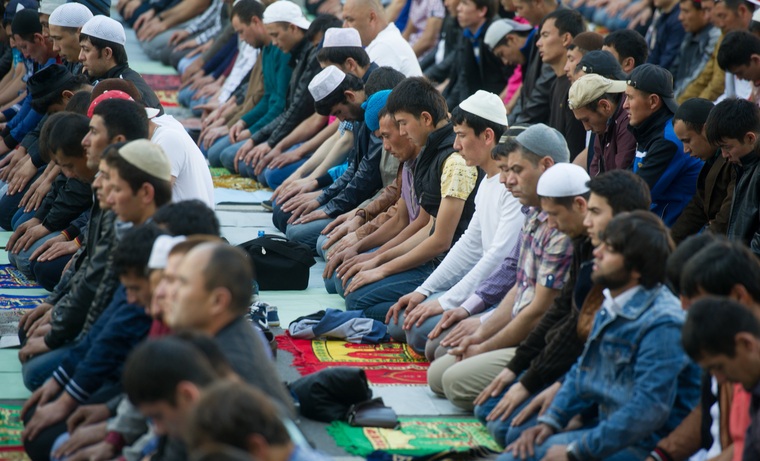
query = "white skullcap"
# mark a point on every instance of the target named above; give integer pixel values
(326, 82)
(48, 6)
(105, 28)
(486, 105)
(161, 249)
(70, 15)
(563, 180)
(147, 157)
(285, 11)
(341, 36)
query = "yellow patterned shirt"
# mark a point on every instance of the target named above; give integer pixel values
(458, 180)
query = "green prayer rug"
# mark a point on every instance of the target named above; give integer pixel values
(415, 436)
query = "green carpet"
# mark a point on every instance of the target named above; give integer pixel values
(416, 436)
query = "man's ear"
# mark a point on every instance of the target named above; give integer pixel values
(628, 63)
(581, 204)
(567, 39)
(118, 138)
(187, 393)
(546, 163)
(257, 446)
(427, 119)
(750, 138)
(220, 300)
(350, 96)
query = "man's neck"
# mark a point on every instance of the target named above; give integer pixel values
(361, 71)
(620, 290)
(490, 166)
(474, 28)
(146, 215)
(559, 67)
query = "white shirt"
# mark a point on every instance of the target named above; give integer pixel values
(188, 165)
(244, 62)
(390, 49)
(492, 233)
(614, 305)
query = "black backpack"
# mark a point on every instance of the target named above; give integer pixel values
(279, 263)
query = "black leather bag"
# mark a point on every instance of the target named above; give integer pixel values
(279, 263)
(372, 413)
(327, 395)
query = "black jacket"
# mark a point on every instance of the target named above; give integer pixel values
(451, 34)
(66, 201)
(149, 98)
(427, 173)
(744, 223)
(533, 102)
(487, 73)
(300, 103)
(70, 311)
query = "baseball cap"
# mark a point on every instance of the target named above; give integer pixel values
(656, 80)
(602, 63)
(14, 6)
(285, 11)
(591, 87)
(498, 29)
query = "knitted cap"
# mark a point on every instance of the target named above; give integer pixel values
(70, 15)
(546, 142)
(48, 80)
(147, 157)
(372, 108)
(105, 28)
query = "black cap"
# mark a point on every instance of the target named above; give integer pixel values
(25, 22)
(656, 80)
(48, 80)
(602, 63)
(694, 110)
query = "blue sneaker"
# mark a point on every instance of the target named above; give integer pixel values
(273, 318)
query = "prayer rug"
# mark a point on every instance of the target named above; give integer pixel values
(415, 436)
(11, 447)
(385, 363)
(233, 181)
(12, 308)
(166, 88)
(10, 277)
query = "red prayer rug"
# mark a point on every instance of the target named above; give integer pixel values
(387, 363)
(166, 88)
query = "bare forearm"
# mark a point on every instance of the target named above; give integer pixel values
(403, 244)
(184, 11)
(303, 131)
(408, 232)
(315, 141)
(387, 231)
(335, 156)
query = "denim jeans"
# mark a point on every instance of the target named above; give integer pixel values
(307, 233)
(501, 430)
(376, 298)
(48, 273)
(21, 260)
(417, 336)
(40, 368)
(273, 178)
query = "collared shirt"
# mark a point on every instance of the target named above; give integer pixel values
(545, 257)
(614, 305)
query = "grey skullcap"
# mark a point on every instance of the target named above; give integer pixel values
(545, 141)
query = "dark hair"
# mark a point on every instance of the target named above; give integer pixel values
(682, 255)
(123, 117)
(155, 368)
(734, 5)
(340, 54)
(230, 412)
(135, 177)
(43, 103)
(382, 78)
(712, 325)
(117, 50)
(491, 6)
(697, 4)
(42, 141)
(79, 103)
(133, 250)
(66, 134)
(503, 149)
(623, 190)
(720, 266)
(193, 241)
(566, 202)
(737, 49)
(230, 267)
(695, 110)
(566, 21)
(643, 240)
(119, 84)
(337, 96)
(732, 119)
(187, 217)
(320, 24)
(476, 122)
(614, 98)
(416, 95)
(246, 10)
(628, 44)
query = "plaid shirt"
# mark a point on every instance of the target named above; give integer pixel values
(545, 257)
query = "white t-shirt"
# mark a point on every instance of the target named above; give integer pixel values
(492, 233)
(390, 49)
(193, 178)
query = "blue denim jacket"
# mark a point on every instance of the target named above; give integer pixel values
(634, 368)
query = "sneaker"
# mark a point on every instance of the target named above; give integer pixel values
(267, 205)
(273, 318)
(257, 314)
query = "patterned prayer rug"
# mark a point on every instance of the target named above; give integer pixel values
(12, 308)
(10, 277)
(415, 436)
(166, 88)
(386, 363)
(11, 447)
(222, 178)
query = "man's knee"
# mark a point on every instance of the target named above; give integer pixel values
(436, 372)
